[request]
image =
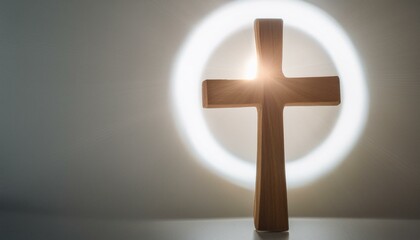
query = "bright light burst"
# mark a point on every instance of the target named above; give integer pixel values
(233, 17)
(251, 68)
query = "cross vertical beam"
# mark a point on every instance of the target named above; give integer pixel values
(269, 41)
(270, 207)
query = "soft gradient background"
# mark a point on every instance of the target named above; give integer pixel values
(87, 128)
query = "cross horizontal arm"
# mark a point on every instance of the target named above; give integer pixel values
(311, 91)
(231, 93)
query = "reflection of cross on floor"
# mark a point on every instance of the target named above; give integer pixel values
(270, 93)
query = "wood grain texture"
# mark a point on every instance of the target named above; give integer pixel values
(270, 93)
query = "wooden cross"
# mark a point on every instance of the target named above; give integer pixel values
(270, 93)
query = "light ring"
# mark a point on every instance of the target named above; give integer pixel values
(233, 17)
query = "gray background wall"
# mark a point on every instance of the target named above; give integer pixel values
(86, 125)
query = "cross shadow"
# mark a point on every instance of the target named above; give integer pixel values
(271, 235)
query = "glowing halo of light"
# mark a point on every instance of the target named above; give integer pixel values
(233, 17)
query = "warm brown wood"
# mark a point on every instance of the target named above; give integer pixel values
(270, 93)
(231, 93)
